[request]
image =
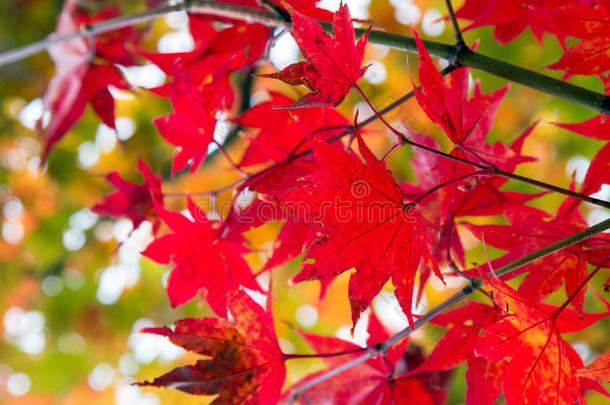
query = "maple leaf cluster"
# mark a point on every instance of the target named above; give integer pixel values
(586, 20)
(343, 209)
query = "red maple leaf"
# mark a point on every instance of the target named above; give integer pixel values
(78, 80)
(207, 258)
(591, 23)
(364, 222)
(598, 172)
(541, 366)
(135, 201)
(335, 62)
(282, 138)
(282, 175)
(445, 101)
(246, 365)
(510, 17)
(599, 369)
(464, 325)
(473, 196)
(191, 127)
(280, 131)
(200, 86)
(376, 381)
(308, 8)
(216, 54)
(530, 230)
(457, 345)
(289, 243)
(466, 121)
(597, 127)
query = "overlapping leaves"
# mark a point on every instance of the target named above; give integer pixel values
(365, 222)
(347, 211)
(84, 68)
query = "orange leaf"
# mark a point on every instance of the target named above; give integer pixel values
(247, 365)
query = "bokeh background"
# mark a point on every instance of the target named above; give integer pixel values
(71, 298)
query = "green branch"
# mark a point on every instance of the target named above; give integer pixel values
(464, 56)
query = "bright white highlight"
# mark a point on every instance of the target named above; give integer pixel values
(87, 154)
(431, 25)
(126, 273)
(18, 384)
(101, 377)
(146, 76)
(407, 13)
(25, 330)
(125, 128)
(360, 333)
(578, 166)
(306, 316)
(284, 52)
(148, 347)
(376, 73)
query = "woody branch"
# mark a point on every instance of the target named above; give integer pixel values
(464, 56)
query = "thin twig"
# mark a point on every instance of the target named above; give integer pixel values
(566, 192)
(205, 193)
(493, 169)
(456, 28)
(111, 24)
(482, 172)
(456, 270)
(228, 158)
(218, 9)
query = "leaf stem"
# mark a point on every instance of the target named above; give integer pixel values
(482, 172)
(366, 99)
(205, 193)
(580, 286)
(234, 165)
(323, 355)
(475, 284)
(456, 28)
